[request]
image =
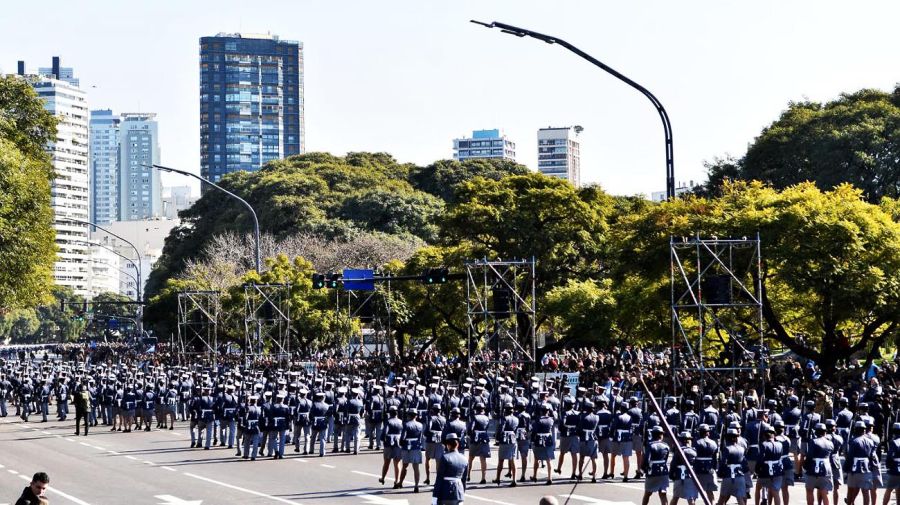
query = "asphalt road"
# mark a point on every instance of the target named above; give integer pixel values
(160, 468)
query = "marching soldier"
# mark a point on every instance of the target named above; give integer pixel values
(411, 447)
(768, 467)
(523, 437)
(587, 439)
(353, 411)
(684, 486)
(637, 434)
(452, 473)
(479, 440)
(393, 430)
(732, 469)
(319, 414)
(302, 421)
(656, 467)
(837, 474)
(817, 465)
(622, 439)
(568, 434)
(507, 426)
(543, 441)
(251, 427)
(706, 461)
(434, 427)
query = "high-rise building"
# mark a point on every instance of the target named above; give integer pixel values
(559, 153)
(140, 193)
(148, 237)
(176, 199)
(70, 193)
(484, 144)
(251, 102)
(104, 156)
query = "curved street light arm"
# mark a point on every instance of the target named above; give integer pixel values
(663, 115)
(229, 193)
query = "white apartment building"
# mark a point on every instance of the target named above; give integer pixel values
(70, 191)
(148, 236)
(559, 153)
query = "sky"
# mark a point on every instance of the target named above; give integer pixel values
(408, 76)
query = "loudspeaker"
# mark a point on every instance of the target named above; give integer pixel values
(717, 289)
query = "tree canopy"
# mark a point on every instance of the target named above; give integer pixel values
(328, 196)
(854, 139)
(27, 239)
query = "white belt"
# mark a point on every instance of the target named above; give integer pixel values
(771, 464)
(657, 462)
(819, 462)
(733, 468)
(204, 411)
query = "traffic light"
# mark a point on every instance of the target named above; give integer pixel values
(318, 281)
(435, 275)
(332, 280)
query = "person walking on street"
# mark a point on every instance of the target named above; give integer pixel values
(82, 409)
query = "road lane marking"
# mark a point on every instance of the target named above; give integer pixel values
(327, 466)
(236, 488)
(481, 498)
(366, 474)
(130, 457)
(148, 462)
(57, 491)
(114, 453)
(13, 472)
(85, 444)
(168, 468)
(301, 460)
(98, 448)
(46, 433)
(70, 439)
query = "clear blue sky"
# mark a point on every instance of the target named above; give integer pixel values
(406, 77)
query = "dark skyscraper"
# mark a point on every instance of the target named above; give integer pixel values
(251, 102)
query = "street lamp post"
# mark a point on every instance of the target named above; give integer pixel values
(137, 253)
(232, 195)
(663, 115)
(255, 228)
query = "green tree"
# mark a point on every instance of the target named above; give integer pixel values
(23, 119)
(854, 139)
(831, 263)
(583, 311)
(441, 178)
(317, 194)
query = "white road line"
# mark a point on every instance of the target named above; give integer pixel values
(114, 453)
(148, 462)
(46, 433)
(57, 436)
(366, 474)
(57, 491)
(130, 457)
(301, 460)
(327, 466)
(70, 440)
(13, 472)
(98, 447)
(85, 444)
(1, 466)
(236, 488)
(481, 498)
(168, 468)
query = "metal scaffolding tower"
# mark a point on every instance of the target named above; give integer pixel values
(267, 319)
(198, 321)
(501, 311)
(716, 307)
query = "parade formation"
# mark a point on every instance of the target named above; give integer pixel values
(541, 427)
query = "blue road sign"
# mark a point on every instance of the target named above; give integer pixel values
(359, 280)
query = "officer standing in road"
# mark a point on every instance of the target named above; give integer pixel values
(732, 469)
(434, 449)
(354, 411)
(452, 472)
(411, 445)
(507, 426)
(302, 421)
(319, 415)
(656, 467)
(393, 429)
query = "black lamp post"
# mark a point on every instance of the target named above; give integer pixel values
(667, 125)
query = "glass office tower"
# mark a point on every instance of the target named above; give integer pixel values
(251, 102)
